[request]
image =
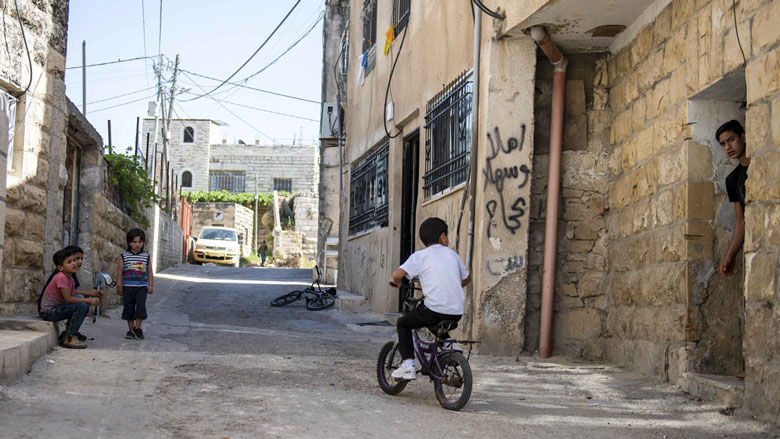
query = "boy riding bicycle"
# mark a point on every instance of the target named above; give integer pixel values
(442, 277)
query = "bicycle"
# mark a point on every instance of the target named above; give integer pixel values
(316, 298)
(447, 367)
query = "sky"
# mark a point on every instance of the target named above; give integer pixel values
(212, 38)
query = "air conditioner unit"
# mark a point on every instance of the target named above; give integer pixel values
(329, 121)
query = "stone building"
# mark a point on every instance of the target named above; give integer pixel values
(54, 190)
(610, 152)
(202, 161)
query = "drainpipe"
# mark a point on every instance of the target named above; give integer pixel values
(553, 186)
(474, 139)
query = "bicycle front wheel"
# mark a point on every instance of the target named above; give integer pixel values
(453, 390)
(389, 360)
(320, 302)
(286, 299)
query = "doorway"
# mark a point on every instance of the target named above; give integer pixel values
(409, 188)
(70, 202)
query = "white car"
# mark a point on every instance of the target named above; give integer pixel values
(217, 244)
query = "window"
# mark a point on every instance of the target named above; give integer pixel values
(448, 137)
(368, 192)
(231, 181)
(283, 184)
(400, 15)
(369, 35)
(189, 135)
(186, 179)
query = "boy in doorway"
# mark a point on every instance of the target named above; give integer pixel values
(442, 277)
(731, 137)
(263, 250)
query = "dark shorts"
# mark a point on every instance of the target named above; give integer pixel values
(134, 299)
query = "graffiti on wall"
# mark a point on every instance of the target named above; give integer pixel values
(506, 208)
(506, 264)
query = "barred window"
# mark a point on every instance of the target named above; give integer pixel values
(448, 137)
(189, 135)
(368, 191)
(400, 15)
(283, 184)
(186, 179)
(231, 181)
(368, 15)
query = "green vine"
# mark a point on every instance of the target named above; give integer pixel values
(134, 187)
(246, 199)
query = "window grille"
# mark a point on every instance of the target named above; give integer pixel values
(368, 192)
(186, 179)
(283, 184)
(189, 135)
(231, 181)
(448, 137)
(400, 14)
(368, 15)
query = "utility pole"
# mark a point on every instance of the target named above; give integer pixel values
(167, 126)
(256, 218)
(83, 77)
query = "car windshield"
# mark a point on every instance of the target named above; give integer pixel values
(218, 234)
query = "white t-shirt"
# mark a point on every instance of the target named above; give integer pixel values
(440, 271)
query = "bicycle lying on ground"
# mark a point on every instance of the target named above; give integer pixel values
(439, 359)
(316, 298)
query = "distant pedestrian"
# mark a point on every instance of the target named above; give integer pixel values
(263, 250)
(134, 282)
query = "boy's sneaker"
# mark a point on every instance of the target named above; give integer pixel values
(130, 335)
(404, 373)
(73, 342)
(81, 336)
(139, 333)
(452, 345)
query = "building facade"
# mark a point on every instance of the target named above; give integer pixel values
(201, 161)
(603, 167)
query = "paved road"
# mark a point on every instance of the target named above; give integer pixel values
(218, 362)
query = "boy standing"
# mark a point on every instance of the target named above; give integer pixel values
(263, 250)
(58, 301)
(731, 137)
(442, 278)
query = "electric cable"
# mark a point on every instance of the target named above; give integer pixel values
(27, 49)
(252, 88)
(122, 104)
(268, 111)
(487, 11)
(226, 108)
(387, 90)
(301, 38)
(252, 56)
(110, 62)
(736, 32)
(143, 32)
(120, 96)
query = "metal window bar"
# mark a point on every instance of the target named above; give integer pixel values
(283, 184)
(231, 181)
(369, 24)
(448, 137)
(368, 192)
(400, 15)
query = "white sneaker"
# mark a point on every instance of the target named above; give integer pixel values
(452, 345)
(404, 373)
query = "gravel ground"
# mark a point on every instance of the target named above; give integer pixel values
(219, 362)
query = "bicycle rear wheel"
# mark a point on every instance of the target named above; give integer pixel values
(453, 390)
(286, 299)
(320, 302)
(389, 360)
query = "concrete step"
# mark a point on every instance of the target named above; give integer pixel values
(724, 390)
(22, 343)
(346, 301)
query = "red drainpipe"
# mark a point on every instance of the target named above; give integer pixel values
(553, 186)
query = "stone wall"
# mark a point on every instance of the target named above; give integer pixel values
(31, 190)
(307, 224)
(264, 163)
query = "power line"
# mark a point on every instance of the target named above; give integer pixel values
(143, 31)
(120, 96)
(252, 56)
(123, 103)
(226, 108)
(110, 62)
(269, 111)
(252, 88)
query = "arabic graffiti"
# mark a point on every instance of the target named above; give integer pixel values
(503, 265)
(497, 176)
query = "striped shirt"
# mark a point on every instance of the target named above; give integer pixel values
(135, 267)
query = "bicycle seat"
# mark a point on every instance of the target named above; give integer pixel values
(443, 327)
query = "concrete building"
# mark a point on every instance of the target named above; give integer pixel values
(202, 161)
(628, 185)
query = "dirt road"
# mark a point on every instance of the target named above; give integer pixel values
(219, 362)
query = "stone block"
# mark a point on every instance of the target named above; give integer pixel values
(620, 195)
(628, 157)
(671, 166)
(34, 226)
(617, 96)
(28, 253)
(638, 114)
(658, 100)
(32, 198)
(641, 217)
(674, 51)
(699, 237)
(14, 221)
(622, 61)
(644, 144)
(21, 285)
(651, 71)
(622, 126)
(761, 270)
(615, 164)
(757, 124)
(626, 222)
(590, 284)
(762, 75)
(764, 177)
(582, 324)
(732, 54)
(766, 26)
(775, 121)
(700, 203)
(632, 87)
(641, 46)
(679, 88)
(589, 230)
(662, 26)
(699, 161)
(568, 289)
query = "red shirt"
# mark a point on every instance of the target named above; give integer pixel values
(52, 295)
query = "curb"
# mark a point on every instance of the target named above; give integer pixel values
(22, 342)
